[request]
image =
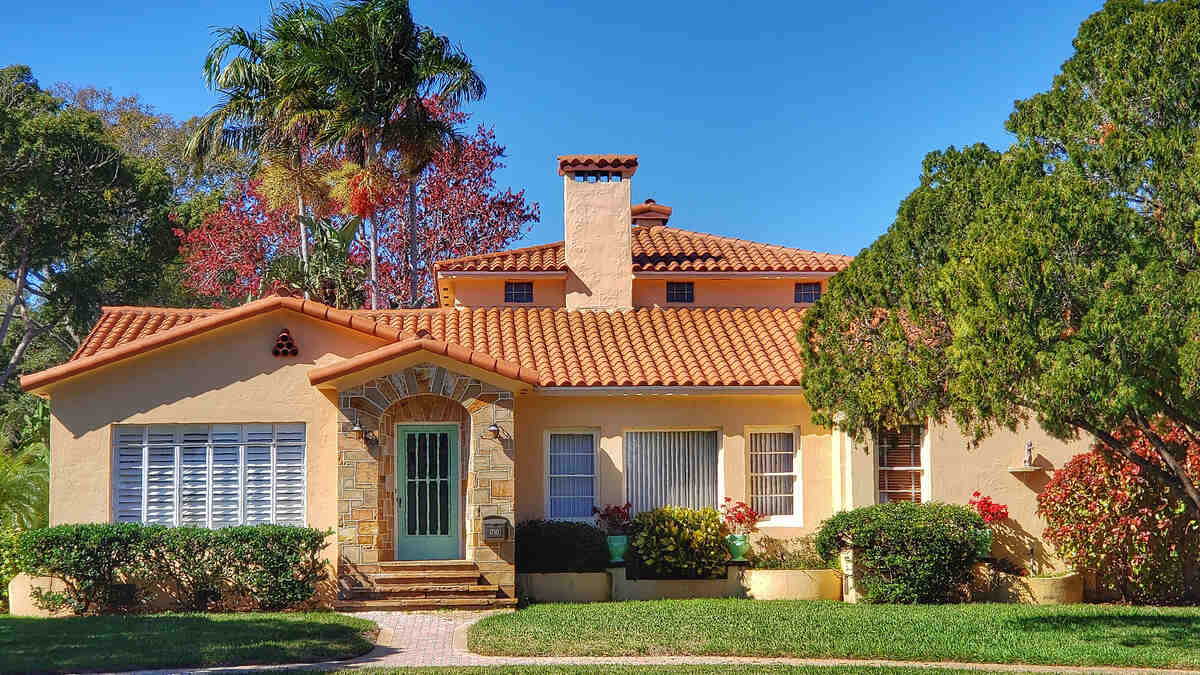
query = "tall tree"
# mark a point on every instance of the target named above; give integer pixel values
(1059, 279)
(81, 223)
(374, 68)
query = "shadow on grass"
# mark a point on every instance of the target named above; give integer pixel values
(1127, 629)
(176, 640)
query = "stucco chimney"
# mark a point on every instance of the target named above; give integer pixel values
(650, 212)
(596, 222)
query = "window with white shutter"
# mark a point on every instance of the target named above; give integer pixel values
(774, 484)
(671, 468)
(209, 475)
(900, 466)
(570, 475)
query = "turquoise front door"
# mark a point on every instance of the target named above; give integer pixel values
(427, 492)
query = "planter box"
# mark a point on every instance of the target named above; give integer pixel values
(793, 584)
(992, 586)
(565, 586)
(659, 589)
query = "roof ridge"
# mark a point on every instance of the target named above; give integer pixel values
(104, 309)
(493, 254)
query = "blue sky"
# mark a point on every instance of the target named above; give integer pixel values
(796, 123)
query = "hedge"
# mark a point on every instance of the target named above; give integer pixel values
(676, 542)
(906, 552)
(106, 568)
(560, 546)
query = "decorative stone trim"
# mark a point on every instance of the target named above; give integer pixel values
(366, 475)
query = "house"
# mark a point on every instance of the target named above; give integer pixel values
(632, 361)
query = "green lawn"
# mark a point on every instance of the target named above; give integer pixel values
(177, 640)
(1085, 635)
(635, 669)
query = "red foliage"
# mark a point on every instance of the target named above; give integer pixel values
(739, 517)
(226, 256)
(460, 212)
(1105, 517)
(990, 511)
(614, 519)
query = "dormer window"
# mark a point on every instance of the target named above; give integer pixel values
(681, 291)
(518, 291)
(808, 292)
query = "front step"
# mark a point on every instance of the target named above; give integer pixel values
(412, 604)
(424, 584)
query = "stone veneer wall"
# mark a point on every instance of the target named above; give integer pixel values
(366, 472)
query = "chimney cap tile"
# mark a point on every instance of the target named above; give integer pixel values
(651, 210)
(625, 164)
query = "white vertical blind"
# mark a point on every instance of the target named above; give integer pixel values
(209, 475)
(671, 468)
(571, 475)
(773, 473)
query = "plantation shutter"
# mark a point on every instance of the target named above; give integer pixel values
(900, 465)
(671, 468)
(209, 475)
(571, 475)
(773, 473)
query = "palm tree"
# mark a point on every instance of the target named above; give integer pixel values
(331, 276)
(24, 487)
(376, 68)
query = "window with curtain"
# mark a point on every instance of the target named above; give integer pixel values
(671, 468)
(209, 475)
(571, 475)
(900, 467)
(773, 481)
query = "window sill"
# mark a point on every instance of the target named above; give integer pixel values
(782, 521)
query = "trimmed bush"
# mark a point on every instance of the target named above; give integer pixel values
(676, 542)
(9, 563)
(266, 566)
(560, 546)
(906, 552)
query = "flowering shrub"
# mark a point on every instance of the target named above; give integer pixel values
(1103, 516)
(739, 517)
(613, 519)
(990, 511)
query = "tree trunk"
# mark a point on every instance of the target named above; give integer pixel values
(411, 252)
(374, 257)
(18, 291)
(303, 241)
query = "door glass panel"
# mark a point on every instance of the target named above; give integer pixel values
(429, 483)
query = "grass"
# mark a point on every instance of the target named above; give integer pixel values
(177, 641)
(677, 669)
(1081, 635)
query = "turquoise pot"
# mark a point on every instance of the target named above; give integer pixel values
(618, 546)
(737, 545)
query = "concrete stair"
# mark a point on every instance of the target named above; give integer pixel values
(419, 584)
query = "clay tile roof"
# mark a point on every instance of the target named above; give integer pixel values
(658, 248)
(626, 164)
(552, 347)
(649, 209)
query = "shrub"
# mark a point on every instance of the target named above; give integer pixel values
(91, 561)
(798, 553)
(679, 542)
(189, 564)
(906, 552)
(1104, 517)
(278, 566)
(560, 546)
(273, 566)
(9, 563)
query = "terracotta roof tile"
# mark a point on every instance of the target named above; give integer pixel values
(658, 248)
(554, 347)
(626, 164)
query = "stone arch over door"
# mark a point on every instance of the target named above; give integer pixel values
(366, 474)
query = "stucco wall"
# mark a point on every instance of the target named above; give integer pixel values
(227, 375)
(596, 225)
(612, 416)
(721, 292)
(490, 291)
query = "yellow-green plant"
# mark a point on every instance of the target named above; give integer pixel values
(678, 542)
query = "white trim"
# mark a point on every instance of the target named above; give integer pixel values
(684, 275)
(796, 519)
(595, 434)
(751, 390)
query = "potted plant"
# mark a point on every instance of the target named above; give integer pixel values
(740, 520)
(614, 521)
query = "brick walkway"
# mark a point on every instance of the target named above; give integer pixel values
(409, 639)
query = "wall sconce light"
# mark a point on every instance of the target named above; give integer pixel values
(493, 431)
(370, 438)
